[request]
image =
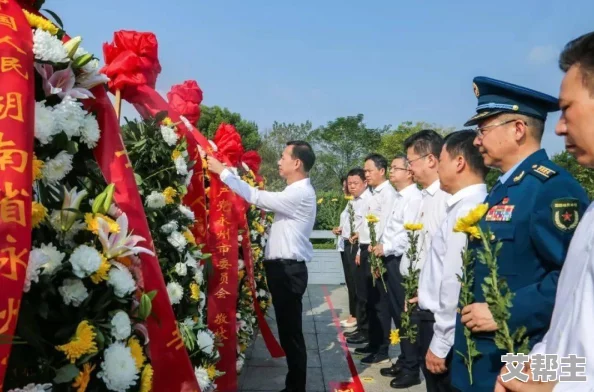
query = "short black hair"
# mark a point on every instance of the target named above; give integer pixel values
(462, 143)
(580, 52)
(357, 172)
(379, 160)
(403, 157)
(425, 142)
(303, 151)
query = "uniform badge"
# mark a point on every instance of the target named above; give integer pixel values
(500, 213)
(476, 90)
(505, 200)
(519, 176)
(565, 214)
(544, 171)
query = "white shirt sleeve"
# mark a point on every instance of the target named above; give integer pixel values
(398, 245)
(388, 204)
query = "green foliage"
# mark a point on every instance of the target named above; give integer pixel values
(330, 205)
(411, 286)
(584, 175)
(211, 117)
(392, 142)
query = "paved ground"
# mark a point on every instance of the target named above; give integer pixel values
(327, 362)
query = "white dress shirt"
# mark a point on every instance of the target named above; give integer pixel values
(344, 222)
(359, 204)
(570, 331)
(406, 209)
(379, 204)
(431, 215)
(294, 216)
(439, 288)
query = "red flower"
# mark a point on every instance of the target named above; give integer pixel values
(185, 99)
(228, 143)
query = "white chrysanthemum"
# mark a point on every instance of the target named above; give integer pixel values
(45, 124)
(73, 292)
(118, 369)
(122, 281)
(85, 261)
(205, 342)
(90, 132)
(36, 259)
(169, 227)
(240, 264)
(34, 388)
(239, 238)
(239, 364)
(70, 116)
(177, 240)
(155, 200)
(191, 262)
(188, 322)
(120, 325)
(197, 253)
(57, 168)
(47, 47)
(202, 377)
(202, 301)
(189, 178)
(55, 258)
(169, 135)
(199, 277)
(175, 291)
(181, 269)
(181, 166)
(188, 213)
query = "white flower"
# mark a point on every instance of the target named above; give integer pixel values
(191, 262)
(199, 277)
(73, 291)
(169, 135)
(175, 291)
(239, 238)
(56, 169)
(181, 269)
(189, 178)
(120, 325)
(202, 300)
(36, 259)
(262, 293)
(90, 131)
(55, 258)
(188, 322)
(202, 377)
(169, 227)
(47, 47)
(85, 261)
(121, 280)
(70, 116)
(120, 244)
(177, 240)
(181, 166)
(118, 369)
(155, 200)
(34, 388)
(239, 364)
(188, 213)
(205, 342)
(240, 264)
(45, 124)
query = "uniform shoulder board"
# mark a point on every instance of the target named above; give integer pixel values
(543, 172)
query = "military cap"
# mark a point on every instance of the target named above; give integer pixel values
(496, 97)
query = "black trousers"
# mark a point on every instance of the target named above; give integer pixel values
(409, 352)
(287, 280)
(378, 308)
(434, 382)
(363, 283)
(349, 267)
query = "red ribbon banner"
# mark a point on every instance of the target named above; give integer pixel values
(17, 122)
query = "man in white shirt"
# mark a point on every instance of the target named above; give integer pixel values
(288, 247)
(461, 174)
(570, 330)
(392, 246)
(380, 205)
(422, 152)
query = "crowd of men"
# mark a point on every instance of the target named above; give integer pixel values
(536, 210)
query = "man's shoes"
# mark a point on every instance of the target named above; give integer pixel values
(351, 334)
(364, 350)
(405, 380)
(392, 371)
(358, 339)
(375, 358)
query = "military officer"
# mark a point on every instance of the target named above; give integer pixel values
(534, 209)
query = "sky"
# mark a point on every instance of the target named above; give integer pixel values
(393, 61)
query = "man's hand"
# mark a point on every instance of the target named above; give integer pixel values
(358, 260)
(378, 250)
(410, 301)
(516, 385)
(214, 165)
(478, 318)
(337, 231)
(354, 238)
(435, 364)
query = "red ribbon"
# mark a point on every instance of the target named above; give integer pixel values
(17, 122)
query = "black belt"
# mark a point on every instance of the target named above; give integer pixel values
(284, 261)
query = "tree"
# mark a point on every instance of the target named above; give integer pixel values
(211, 117)
(584, 175)
(392, 142)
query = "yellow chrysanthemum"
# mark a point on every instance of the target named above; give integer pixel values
(38, 214)
(194, 291)
(320, 200)
(39, 22)
(169, 193)
(175, 154)
(349, 198)
(93, 223)
(211, 370)
(334, 200)
(394, 337)
(240, 274)
(37, 167)
(103, 272)
(263, 304)
(189, 237)
(413, 226)
(371, 218)
(82, 343)
(84, 377)
(146, 379)
(467, 224)
(167, 122)
(242, 348)
(137, 354)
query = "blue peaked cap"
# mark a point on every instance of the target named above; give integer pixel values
(496, 97)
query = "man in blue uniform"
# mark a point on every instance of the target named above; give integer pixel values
(534, 209)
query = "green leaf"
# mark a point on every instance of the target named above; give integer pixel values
(55, 16)
(66, 374)
(152, 294)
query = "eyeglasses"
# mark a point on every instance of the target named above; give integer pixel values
(394, 168)
(480, 131)
(410, 161)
